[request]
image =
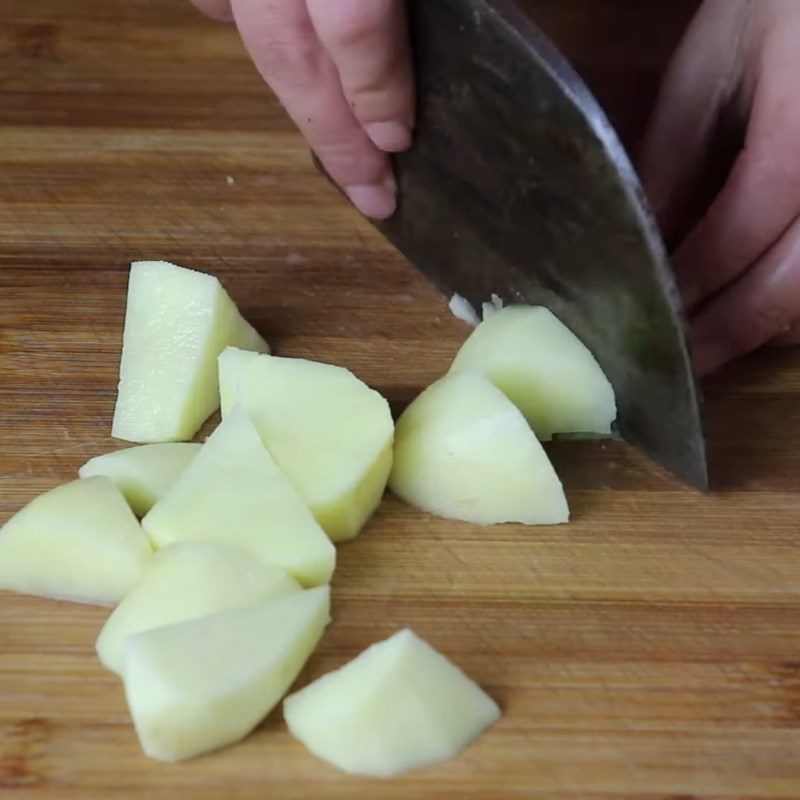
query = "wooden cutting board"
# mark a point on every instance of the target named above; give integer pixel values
(651, 649)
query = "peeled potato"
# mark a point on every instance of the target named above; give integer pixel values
(189, 580)
(231, 364)
(398, 706)
(234, 493)
(329, 432)
(543, 368)
(177, 322)
(206, 683)
(143, 474)
(464, 451)
(77, 542)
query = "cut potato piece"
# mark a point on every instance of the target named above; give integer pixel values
(189, 580)
(543, 368)
(329, 432)
(231, 364)
(233, 492)
(77, 542)
(206, 683)
(143, 474)
(178, 321)
(464, 451)
(398, 706)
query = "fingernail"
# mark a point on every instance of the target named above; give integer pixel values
(377, 201)
(391, 137)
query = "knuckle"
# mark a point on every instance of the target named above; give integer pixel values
(384, 90)
(215, 9)
(349, 161)
(340, 155)
(764, 319)
(372, 96)
(779, 161)
(355, 21)
(291, 61)
(297, 58)
(785, 164)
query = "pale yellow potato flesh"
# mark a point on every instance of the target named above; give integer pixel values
(205, 683)
(233, 492)
(464, 451)
(543, 368)
(77, 542)
(145, 473)
(398, 706)
(189, 580)
(329, 432)
(230, 365)
(177, 322)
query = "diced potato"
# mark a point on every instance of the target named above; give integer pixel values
(206, 683)
(543, 368)
(234, 493)
(464, 451)
(178, 321)
(231, 364)
(77, 542)
(398, 706)
(329, 432)
(189, 580)
(143, 474)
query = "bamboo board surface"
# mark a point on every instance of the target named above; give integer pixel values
(651, 649)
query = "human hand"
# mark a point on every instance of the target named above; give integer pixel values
(738, 267)
(342, 70)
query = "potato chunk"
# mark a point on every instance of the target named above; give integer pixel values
(177, 322)
(543, 368)
(206, 683)
(77, 542)
(464, 451)
(397, 706)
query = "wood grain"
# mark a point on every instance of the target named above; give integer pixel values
(649, 650)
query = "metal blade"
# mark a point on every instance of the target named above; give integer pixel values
(517, 185)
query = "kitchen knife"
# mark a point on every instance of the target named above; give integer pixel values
(518, 186)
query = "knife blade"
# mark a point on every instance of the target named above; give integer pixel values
(517, 185)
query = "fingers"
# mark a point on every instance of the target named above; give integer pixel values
(751, 312)
(219, 10)
(368, 41)
(789, 336)
(285, 47)
(761, 197)
(700, 80)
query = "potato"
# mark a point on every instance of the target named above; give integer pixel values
(77, 542)
(178, 321)
(329, 432)
(398, 706)
(189, 580)
(543, 368)
(206, 683)
(234, 493)
(143, 474)
(230, 365)
(464, 451)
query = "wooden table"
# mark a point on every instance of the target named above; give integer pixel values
(649, 650)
